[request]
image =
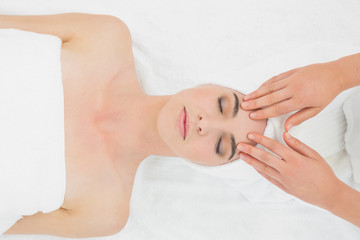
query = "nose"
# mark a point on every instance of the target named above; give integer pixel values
(206, 124)
(201, 125)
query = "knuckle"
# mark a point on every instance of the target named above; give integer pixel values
(288, 106)
(249, 150)
(296, 163)
(277, 108)
(276, 77)
(270, 98)
(288, 171)
(272, 110)
(252, 104)
(281, 167)
(255, 94)
(271, 88)
(260, 113)
(263, 156)
(269, 144)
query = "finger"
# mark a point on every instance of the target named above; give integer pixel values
(278, 77)
(274, 110)
(300, 117)
(266, 100)
(272, 145)
(300, 147)
(273, 181)
(265, 90)
(260, 167)
(261, 155)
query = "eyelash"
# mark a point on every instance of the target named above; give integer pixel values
(220, 105)
(218, 147)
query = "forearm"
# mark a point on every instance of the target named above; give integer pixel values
(349, 68)
(346, 204)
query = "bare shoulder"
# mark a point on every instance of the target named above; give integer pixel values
(64, 223)
(106, 36)
(100, 50)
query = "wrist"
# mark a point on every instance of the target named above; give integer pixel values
(341, 196)
(349, 71)
(345, 204)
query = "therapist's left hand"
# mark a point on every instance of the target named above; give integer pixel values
(299, 170)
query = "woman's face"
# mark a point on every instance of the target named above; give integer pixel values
(205, 123)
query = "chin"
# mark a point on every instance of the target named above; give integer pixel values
(167, 132)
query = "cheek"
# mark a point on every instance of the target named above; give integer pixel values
(201, 152)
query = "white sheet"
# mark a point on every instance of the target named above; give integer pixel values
(180, 44)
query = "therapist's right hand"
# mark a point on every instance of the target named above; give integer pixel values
(308, 89)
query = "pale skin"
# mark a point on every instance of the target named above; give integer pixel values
(301, 171)
(111, 125)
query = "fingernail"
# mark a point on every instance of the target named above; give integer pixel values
(252, 115)
(250, 136)
(288, 135)
(240, 148)
(290, 126)
(244, 105)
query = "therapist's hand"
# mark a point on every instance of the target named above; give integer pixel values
(308, 89)
(300, 171)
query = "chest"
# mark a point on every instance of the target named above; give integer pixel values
(90, 178)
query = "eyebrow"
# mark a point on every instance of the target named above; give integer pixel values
(236, 109)
(236, 105)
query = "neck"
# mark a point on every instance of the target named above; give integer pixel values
(130, 129)
(148, 110)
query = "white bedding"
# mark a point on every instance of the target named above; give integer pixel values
(179, 44)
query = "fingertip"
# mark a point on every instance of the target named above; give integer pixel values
(244, 105)
(251, 136)
(240, 147)
(287, 135)
(290, 140)
(253, 115)
(289, 126)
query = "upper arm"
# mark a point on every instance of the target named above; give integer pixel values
(66, 26)
(62, 223)
(89, 38)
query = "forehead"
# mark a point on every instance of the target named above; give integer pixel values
(218, 87)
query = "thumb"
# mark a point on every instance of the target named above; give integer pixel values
(300, 147)
(300, 117)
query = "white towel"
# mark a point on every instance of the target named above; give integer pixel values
(352, 136)
(32, 151)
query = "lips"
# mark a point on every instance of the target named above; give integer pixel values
(183, 123)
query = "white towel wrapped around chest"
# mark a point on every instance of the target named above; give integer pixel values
(32, 156)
